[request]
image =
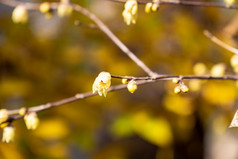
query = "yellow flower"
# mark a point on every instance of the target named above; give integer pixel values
(64, 9)
(31, 121)
(130, 11)
(19, 14)
(3, 115)
(45, 7)
(218, 70)
(8, 134)
(132, 86)
(102, 83)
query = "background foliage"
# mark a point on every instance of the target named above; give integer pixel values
(47, 60)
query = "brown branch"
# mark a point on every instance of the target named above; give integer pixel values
(169, 77)
(219, 42)
(96, 20)
(187, 3)
(140, 81)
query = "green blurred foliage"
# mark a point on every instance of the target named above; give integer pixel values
(48, 60)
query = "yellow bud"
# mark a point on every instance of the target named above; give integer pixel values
(19, 14)
(102, 83)
(229, 2)
(45, 7)
(132, 86)
(234, 61)
(3, 125)
(199, 69)
(148, 7)
(22, 111)
(3, 115)
(177, 90)
(31, 121)
(218, 70)
(124, 81)
(175, 80)
(155, 7)
(64, 10)
(8, 134)
(184, 88)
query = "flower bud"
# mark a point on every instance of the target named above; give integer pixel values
(22, 111)
(31, 120)
(3, 115)
(184, 88)
(64, 9)
(132, 86)
(130, 11)
(177, 90)
(154, 7)
(124, 81)
(102, 83)
(148, 7)
(45, 7)
(19, 14)
(175, 80)
(229, 2)
(8, 134)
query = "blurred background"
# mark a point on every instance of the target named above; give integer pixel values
(47, 60)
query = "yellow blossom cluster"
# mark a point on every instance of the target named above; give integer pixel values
(181, 86)
(130, 12)
(30, 118)
(102, 83)
(152, 6)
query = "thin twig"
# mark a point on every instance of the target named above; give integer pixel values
(96, 20)
(90, 26)
(188, 3)
(219, 42)
(140, 81)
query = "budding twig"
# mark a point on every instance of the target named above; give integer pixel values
(140, 81)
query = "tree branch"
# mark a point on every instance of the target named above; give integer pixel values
(140, 81)
(187, 3)
(219, 42)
